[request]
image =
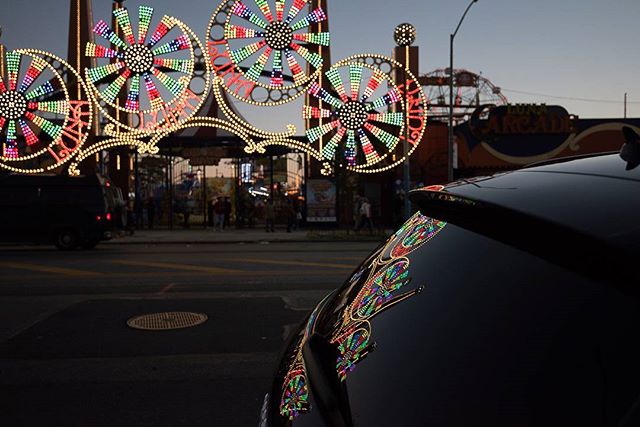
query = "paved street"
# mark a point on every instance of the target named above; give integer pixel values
(67, 356)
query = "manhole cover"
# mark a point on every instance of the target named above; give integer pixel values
(167, 320)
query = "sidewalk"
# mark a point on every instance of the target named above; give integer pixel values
(198, 235)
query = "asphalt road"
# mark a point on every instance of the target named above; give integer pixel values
(67, 356)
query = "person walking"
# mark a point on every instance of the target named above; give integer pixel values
(365, 216)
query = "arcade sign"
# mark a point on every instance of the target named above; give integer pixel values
(517, 133)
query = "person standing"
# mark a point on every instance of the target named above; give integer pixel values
(290, 213)
(218, 214)
(151, 211)
(270, 217)
(210, 221)
(227, 212)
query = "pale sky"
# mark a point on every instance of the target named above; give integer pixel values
(566, 48)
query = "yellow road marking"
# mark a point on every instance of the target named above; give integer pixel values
(48, 269)
(185, 267)
(154, 274)
(349, 258)
(301, 263)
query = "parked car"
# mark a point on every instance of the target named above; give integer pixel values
(66, 211)
(511, 300)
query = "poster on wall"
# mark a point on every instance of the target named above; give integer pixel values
(321, 201)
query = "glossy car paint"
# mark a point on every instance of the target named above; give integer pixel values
(505, 301)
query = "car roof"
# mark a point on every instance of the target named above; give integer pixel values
(596, 195)
(606, 164)
(586, 207)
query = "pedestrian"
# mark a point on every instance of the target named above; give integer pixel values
(184, 208)
(131, 218)
(290, 214)
(218, 214)
(298, 217)
(270, 217)
(138, 210)
(365, 216)
(210, 213)
(151, 211)
(250, 213)
(227, 212)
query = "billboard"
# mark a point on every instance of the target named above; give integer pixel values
(321, 201)
(511, 136)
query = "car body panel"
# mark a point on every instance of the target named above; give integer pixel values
(454, 323)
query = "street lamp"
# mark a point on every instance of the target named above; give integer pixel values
(404, 36)
(450, 145)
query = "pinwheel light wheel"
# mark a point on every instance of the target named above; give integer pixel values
(139, 61)
(380, 289)
(353, 347)
(362, 121)
(295, 398)
(31, 117)
(280, 41)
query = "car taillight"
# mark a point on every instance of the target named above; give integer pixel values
(108, 217)
(98, 217)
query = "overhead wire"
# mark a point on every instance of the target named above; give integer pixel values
(569, 98)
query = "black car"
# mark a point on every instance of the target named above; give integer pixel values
(63, 210)
(504, 301)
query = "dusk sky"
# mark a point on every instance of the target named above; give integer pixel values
(586, 49)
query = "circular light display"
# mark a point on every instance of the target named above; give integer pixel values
(404, 34)
(138, 58)
(353, 115)
(363, 123)
(278, 35)
(267, 46)
(42, 125)
(13, 105)
(142, 63)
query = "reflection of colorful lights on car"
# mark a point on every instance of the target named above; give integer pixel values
(352, 335)
(295, 399)
(423, 230)
(380, 289)
(353, 346)
(417, 231)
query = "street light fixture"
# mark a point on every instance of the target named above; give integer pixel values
(451, 77)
